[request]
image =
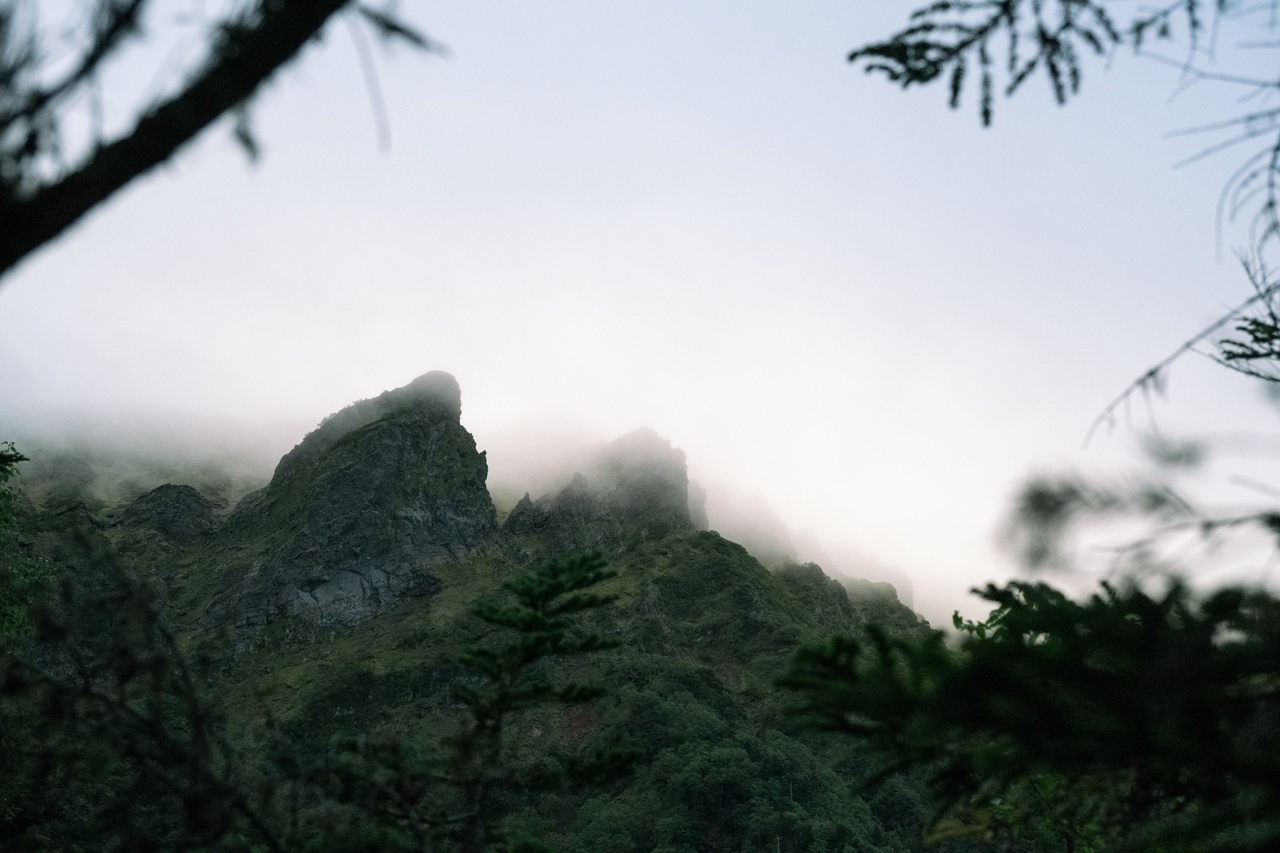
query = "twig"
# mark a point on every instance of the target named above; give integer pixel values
(1151, 378)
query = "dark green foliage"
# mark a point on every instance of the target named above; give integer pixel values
(22, 573)
(1151, 719)
(723, 786)
(1047, 510)
(543, 625)
(439, 725)
(634, 492)
(110, 737)
(947, 39)
(690, 696)
(1129, 721)
(1256, 349)
(9, 459)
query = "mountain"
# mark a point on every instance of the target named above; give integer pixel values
(636, 490)
(336, 599)
(357, 514)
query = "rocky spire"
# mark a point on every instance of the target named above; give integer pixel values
(355, 515)
(636, 489)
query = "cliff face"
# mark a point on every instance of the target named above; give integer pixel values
(384, 504)
(355, 515)
(387, 498)
(179, 513)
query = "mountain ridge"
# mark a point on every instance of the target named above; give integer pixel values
(335, 599)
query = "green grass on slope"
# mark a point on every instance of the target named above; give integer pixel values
(704, 630)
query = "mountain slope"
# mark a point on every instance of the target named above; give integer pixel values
(338, 597)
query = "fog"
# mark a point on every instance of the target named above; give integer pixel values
(107, 457)
(542, 462)
(864, 319)
(107, 462)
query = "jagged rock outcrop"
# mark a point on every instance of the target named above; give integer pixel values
(355, 515)
(635, 490)
(179, 513)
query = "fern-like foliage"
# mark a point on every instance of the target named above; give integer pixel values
(1155, 719)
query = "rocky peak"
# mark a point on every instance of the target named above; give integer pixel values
(635, 489)
(434, 395)
(642, 476)
(359, 511)
(179, 513)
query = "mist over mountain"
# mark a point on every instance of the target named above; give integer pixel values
(107, 459)
(348, 519)
(545, 464)
(356, 514)
(336, 596)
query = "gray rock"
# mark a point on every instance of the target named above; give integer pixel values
(635, 490)
(355, 515)
(179, 513)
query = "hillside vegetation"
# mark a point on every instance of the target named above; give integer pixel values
(308, 659)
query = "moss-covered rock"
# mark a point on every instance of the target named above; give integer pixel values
(357, 514)
(349, 582)
(179, 513)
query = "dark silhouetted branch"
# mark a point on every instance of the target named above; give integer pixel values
(246, 52)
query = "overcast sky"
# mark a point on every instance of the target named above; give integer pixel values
(843, 299)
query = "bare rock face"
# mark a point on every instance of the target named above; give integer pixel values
(179, 513)
(355, 516)
(635, 490)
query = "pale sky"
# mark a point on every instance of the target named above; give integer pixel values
(840, 298)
